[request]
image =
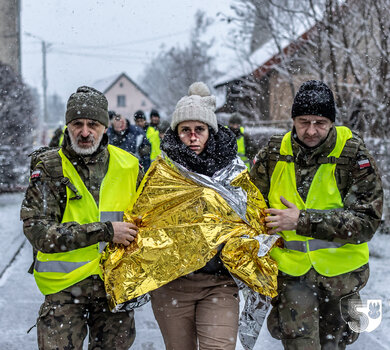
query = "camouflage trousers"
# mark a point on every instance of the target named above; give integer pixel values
(66, 317)
(311, 311)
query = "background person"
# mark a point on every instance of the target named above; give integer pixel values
(325, 198)
(69, 212)
(163, 127)
(151, 130)
(245, 147)
(130, 138)
(153, 134)
(154, 118)
(58, 137)
(111, 115)
(140, 120)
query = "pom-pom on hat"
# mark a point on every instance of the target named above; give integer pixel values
(87, 103)
(199, 105)
(314, 98)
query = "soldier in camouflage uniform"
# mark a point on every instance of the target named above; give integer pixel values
(75, 299)
(326, 206)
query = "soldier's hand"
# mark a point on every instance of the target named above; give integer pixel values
(282, 219)
(124, 232)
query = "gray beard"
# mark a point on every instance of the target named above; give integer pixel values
(84, 151)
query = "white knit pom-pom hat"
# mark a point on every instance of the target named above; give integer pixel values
(199, 105)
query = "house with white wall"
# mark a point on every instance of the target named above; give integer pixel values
(125, 96)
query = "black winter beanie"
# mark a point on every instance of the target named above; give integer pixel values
(314, 98)
(88, 103)
(139, 115)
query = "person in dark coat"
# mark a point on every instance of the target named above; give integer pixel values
(130, 138)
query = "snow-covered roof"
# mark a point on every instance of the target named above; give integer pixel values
(265, 56)
(104, 83)
(242, 68)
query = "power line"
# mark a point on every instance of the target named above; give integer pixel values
(86, 49)
(139, 41)
(123, 58)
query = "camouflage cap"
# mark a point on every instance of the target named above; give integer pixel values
(88, 103)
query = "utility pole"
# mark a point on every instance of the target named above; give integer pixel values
(44, 82)
(44, 46)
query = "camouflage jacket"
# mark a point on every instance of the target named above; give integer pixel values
(45, 200)
(360, 188)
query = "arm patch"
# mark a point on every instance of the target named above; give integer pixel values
(364, 163)
(35, 174)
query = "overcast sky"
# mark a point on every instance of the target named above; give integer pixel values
(92, 39)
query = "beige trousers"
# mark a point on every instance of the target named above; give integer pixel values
(198, 311)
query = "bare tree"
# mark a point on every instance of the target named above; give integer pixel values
(344, 43)
(16, 136)
(168, 76)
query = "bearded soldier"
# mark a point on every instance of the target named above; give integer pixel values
(71, 209)
(325, 198)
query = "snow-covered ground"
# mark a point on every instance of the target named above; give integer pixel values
(20, 298)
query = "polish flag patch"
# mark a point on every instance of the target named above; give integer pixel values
(35, 174)
(365, 163)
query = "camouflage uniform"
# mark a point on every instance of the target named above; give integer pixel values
(65, 316)
(306, 312)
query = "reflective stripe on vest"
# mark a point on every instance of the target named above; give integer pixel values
(241, 150)
(153, 136)
(310, 245)
(300, 252)
(56, 271)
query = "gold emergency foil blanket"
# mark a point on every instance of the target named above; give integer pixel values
(240, 257)
(181, 225)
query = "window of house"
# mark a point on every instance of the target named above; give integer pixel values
(121, 101)
(143, 103)
(120, 84)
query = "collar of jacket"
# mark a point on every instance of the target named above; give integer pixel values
(309, 156)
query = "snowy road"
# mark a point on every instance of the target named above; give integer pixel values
(20, 298)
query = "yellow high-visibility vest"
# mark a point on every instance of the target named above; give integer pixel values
(153, 136)
(300, 252)
(56, 271)
(241, 149)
